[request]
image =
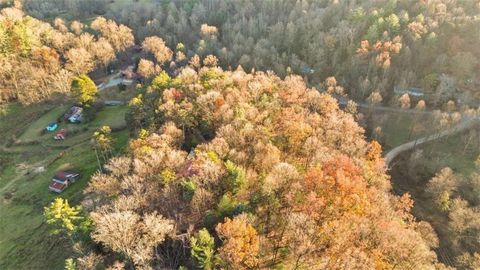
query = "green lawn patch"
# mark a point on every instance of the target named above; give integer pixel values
(76, 133)
(8, 173)
(34, 131)
(451, 152)
(25, 242)
(113, 116)
(16, 118)
(399, 128)
(120, 4)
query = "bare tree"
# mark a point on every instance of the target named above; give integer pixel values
(157, 47)
(79, 61)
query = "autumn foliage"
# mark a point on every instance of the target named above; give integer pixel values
(273, 170)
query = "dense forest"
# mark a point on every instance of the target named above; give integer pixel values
(279, 177)
(367, 45)
(38, 60)
(253, 130)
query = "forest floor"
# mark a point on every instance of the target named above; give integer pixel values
(26, 168)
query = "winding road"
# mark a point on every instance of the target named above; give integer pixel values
(464, 124)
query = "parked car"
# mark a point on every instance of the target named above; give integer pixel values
(61, 180)
(52, 126)
(60, 135)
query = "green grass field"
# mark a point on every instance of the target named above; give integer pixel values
(399, 128)
(109, 116)
(454, 153)
(25, 242)
(15, 118)
(34, 130)
(119, 4)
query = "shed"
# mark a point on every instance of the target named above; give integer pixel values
(61, 180)
(65, 176)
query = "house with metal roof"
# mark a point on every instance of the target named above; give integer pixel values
(74, 115)
(61, 180)
(411, 91)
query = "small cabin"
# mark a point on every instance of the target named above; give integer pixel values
(74, 115)
(61, 180)
(411, 91)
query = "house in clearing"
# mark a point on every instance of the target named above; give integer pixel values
(411, 91)
(74, 115)
(61, 180)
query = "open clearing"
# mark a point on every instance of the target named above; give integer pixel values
(398, 128)
(25, 242)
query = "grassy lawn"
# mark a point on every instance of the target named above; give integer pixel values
(34, 130)
(399, 128)
(8, 172)
(15, 118)
(119, 4)
(451, 152)
(25, 242)
(109, 116)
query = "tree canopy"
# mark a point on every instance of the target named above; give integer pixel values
(84, 89)
(278, 174)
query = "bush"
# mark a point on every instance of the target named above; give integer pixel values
(203, 249)
(236, 178)
(73, 131)
(228, 206)
(122, 87)
(188, 187)
(89, 113)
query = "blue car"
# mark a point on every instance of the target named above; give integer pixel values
(52, 126)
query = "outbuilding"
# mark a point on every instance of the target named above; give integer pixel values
(61, 180)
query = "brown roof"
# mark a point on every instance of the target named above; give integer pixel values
(63, 176)
(56, 186)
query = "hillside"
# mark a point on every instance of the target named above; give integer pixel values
(225, 134)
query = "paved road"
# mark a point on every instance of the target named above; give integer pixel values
(464, 124)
